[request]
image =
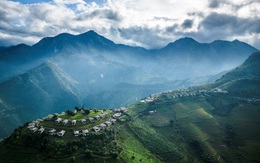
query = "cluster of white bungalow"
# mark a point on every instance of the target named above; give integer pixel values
(73, 122)
(86, 131)
(33, 125)
(33, 128)
(186, 93)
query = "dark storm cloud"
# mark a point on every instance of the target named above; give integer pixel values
(171, 29)
(143, 36)
(101, 13)
(214, 3)
(216, 20)
(187, 23)
(236, 25)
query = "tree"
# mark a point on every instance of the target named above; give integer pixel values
(69, 112)
(86, 111)
(77, 108)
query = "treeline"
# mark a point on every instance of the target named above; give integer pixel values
(77, 109)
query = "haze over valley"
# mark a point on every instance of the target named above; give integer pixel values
(86, 69)
(129, 81)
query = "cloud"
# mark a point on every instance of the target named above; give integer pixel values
(236, 25)
(187, 23)
(148, 23)
(100, 14)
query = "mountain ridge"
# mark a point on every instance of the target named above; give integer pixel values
(207, 123)
(94, 68)
(37, 92)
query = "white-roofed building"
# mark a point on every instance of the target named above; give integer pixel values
(108, 123)
(58, 120)
(85, 132)
(76, 133)
(97, 117)
(52, 131)
(41, 130)
(117, 115)
(65, 121)
(61, 133)
(113, 120)
(34, 129)
(102, 126)
(83, 120)
(96, 128)
(91, 119)
(73, 122)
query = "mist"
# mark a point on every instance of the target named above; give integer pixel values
(59, 73)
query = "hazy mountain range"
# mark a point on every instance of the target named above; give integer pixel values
(67, 70)
(215, 122)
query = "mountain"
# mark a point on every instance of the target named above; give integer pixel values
(210, 123)
(36, 93)
(98, 69)
(183, 54)
(244, 80)
(214, 56)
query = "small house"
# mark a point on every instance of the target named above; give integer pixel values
(83, 120)
(61, 133)
(41, 130)
(34, 129)
(64, 122)
(39, 120)
(29, 127)
(76, 133)
(102, 115)
(124, 109)
(85, 132)
(97, 117)
(108, 123)
(91, 119)
(52, 131)
(58, 120)
(96, 128)
(152, 112)
(31, 124)
(113, 120)
(117, 115)
(102, 126)
(73, 122)
(50, 116)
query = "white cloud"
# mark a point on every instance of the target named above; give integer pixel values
(148, 23)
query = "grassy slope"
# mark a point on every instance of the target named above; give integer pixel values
(182, 129)
(205, 127)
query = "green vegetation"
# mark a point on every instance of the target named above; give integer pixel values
(202, 124)
(202, 127)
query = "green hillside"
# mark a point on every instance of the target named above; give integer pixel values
(35, 94)
(218, 122)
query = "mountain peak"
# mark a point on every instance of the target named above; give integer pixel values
(93, 38)
(186, 41)
(90, 33)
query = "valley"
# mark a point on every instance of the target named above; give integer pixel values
(133, 113)
(186, 124)
(68, 70)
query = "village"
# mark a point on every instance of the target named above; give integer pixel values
(99, 120)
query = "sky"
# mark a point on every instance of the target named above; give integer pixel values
(148, 23)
